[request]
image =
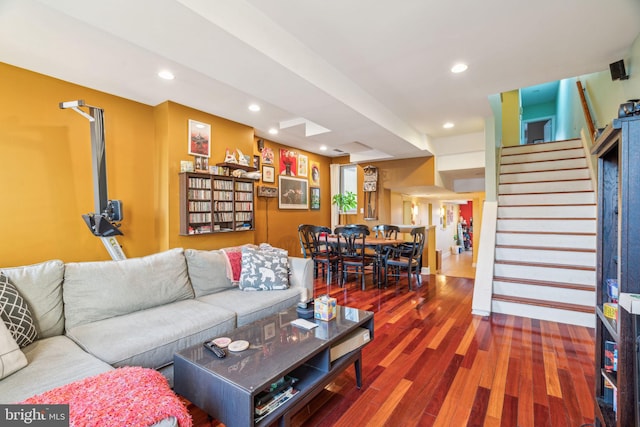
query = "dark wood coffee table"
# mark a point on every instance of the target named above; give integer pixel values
(226, 388)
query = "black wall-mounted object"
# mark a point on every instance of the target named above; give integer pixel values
(618, 71)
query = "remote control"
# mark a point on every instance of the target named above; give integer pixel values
(219, 352)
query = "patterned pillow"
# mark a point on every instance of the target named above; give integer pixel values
(264, 268)
(16, 314)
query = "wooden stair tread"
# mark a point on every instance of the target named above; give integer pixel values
(537, 181)
(546, 248)
(548, 206)
(546, 265)
(560, 285)
(546, 192)
(539, 161)
(566, 233)
(546, 218)
(543, 170)
(543, 303)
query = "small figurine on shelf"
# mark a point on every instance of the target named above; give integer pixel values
(230, 157)
(242, 159)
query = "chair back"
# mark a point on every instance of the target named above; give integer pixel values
(419, 237)
(386, 231)
(306, 243)
(351, 240)
(317, 236)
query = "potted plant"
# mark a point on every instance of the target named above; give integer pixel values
(345, 202)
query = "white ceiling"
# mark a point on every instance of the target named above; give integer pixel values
(373, 72)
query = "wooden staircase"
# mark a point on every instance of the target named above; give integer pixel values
(545, 253)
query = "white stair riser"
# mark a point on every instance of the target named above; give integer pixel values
(549, 146)
(547, 225)
(542, 156)
(544, 313)
(547, 212)
(547, 199)
(544, 176)
(546, 187)
(562, 275)
(583, 259)
(547, 240)
(544, 166)
(547, 293)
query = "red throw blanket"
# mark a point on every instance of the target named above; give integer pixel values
(234, 263)
(132, 397)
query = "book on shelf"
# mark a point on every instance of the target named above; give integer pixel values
(610, 356)
(276, 388)
(275, 397)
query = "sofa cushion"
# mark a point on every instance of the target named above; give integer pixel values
(264, 268)
(207, 271)
(41, 287)
(52, 362)
(252, 306)
(15, 313)
(11, 358)
(149, 338)
(94, 291)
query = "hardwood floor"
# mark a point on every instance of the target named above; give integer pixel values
(432, 363)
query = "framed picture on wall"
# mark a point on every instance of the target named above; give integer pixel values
(315, 198)
(199, 138)
(288, 162)
(256, 162)
(294, 193)
(268, 174)
(315, 173)
(303, 165)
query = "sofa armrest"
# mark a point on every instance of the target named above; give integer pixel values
(301, 276)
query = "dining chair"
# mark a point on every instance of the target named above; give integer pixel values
(351, 253)
(387, 231)
(406, 257)
(306, 244)
(321, 250)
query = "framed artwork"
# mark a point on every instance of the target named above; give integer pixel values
(315, 198)
(199, 138)
(268, 174)
(315, 173)
(267, 156)
(256, 162)
(294, 193)
(303, 165)
(288, 162)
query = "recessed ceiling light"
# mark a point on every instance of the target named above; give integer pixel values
(323, 148)
(448, 125)
(273, 131)
(166, 74)
(254, 107)
(459, 68)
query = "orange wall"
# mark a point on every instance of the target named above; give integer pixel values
(46, 177)
(45, 170)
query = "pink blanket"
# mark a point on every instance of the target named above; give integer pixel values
(234, 263)
(133, 397)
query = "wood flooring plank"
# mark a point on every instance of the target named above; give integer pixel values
(479, 408)
(393, 355)
(442, 332)
(496, 398)
(509, 411)
(389, 405)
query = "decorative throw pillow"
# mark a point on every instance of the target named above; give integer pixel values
(264, 268)
(11, 357)
(16, 314)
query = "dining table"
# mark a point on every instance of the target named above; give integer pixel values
(377, 243)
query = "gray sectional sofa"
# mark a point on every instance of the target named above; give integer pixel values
(92, 317)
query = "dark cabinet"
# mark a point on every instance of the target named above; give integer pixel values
(618, 261)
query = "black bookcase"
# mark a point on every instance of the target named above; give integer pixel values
(618, 257)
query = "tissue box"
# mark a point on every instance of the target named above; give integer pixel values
(325, 308)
